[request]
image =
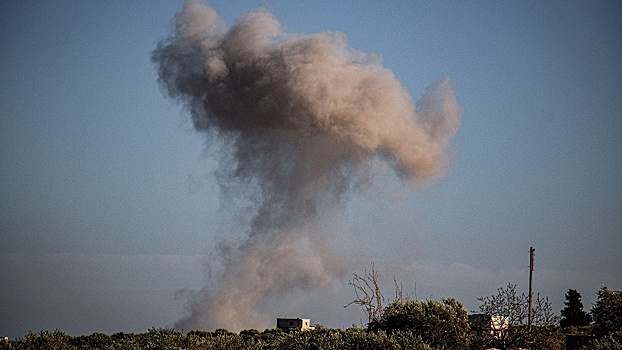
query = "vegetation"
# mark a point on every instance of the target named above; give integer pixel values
(573, 318)
(163, 339)
(607, 315)
(442, 325)
(368, 294)
(402, 324)
(543, 333)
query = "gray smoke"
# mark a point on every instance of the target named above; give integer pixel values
(301, 118)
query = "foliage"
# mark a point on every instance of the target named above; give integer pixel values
(57, 340)
(350, 339)
(607, 315)
(403, 324)
(514, 308)
(320, 338)
(546, 338)
(607, 312)
(96, 340)
(607, 342)
(441, 325)
(573, 314)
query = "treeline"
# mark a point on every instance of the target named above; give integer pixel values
(402, 324)
(161, 339)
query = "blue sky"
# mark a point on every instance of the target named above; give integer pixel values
(108, 206)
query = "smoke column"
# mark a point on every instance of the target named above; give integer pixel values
(300, 119)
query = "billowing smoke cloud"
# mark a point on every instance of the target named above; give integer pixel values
(301, 118)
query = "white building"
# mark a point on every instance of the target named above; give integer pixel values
(488, 323)
(289, 324)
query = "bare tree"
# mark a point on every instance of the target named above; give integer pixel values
(513, 309)
(368, 294)
(399, 295)
(543, 314)
(510, 305)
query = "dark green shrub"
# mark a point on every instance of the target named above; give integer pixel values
(442, 325)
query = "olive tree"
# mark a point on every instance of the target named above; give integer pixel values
(442, 325)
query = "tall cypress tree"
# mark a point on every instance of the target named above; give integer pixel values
(573, 314)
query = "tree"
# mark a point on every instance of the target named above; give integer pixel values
(513, 308)
(442, 325)
(368, 295)
(573, 314)
(607, 314)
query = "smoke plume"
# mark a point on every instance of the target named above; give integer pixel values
(300, 119)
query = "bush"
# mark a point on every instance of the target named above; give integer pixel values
(94, 341)
(607, 342)
(58, 340)
(442, 325)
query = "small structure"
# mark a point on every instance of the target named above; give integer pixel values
(294, 324)
(482, 323)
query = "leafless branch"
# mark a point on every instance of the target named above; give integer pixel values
(368, 294)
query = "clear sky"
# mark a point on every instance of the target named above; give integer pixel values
(109, 209)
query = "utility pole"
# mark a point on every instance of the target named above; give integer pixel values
(532, 253)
